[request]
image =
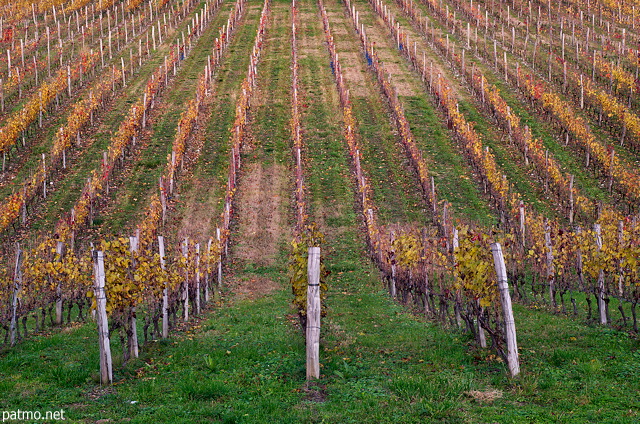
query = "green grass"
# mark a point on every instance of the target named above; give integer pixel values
(450, 170)
(243, 360)
(395, 188)
(271, 107)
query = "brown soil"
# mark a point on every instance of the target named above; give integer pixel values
(315, 392)
(487, 396)
(349, 54)
(260, 217)
(197, 219)
(308, 46)
(253, 288)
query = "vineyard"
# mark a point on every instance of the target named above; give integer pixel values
(436, 200)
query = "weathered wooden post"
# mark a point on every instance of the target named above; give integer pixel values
(505, 300)
(106, 367)
(60, 250)
(219, 279)
(600, 290)
(522, 223)
(165, 292)
(207, 274)
(549, 260)
(392, 286)
(185, 287)
(133, 327)
(571, 201)
(44, 181)
(455, 245)
(17, 286)
(197, 300)
(313, 313)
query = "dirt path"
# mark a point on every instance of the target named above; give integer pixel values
(354, 70)
(404, 79)
(262, 223)
(261, 220)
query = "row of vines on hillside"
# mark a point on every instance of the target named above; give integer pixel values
(83, 114)
(129, 275)
(306, 233)
(49, 92)
(543, 246)
(141, 271)
(418, 264)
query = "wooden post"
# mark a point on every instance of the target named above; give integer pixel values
(219, 279)
(49, 51)
(44, 181)
(600, 291)
(17, 286)
(427, 290)
(133, 328)
(505, 300)
(392, 288)
(579, 262)
(165, 291)
(620, 271)
(434, 204)
(40, 109)
(549, 258)
(506, 75)
(207, 276)
(482, 338)
(571, 203)
(173, 165)
(197, 278)
(581, 93)
(60, 252)
(455, 244)
(144, 110)
(185, 290)
(611, 163)
(522, 223)
(69, 80)
(313, 314)
(35, 68)
(124, 76)
(106, 367)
